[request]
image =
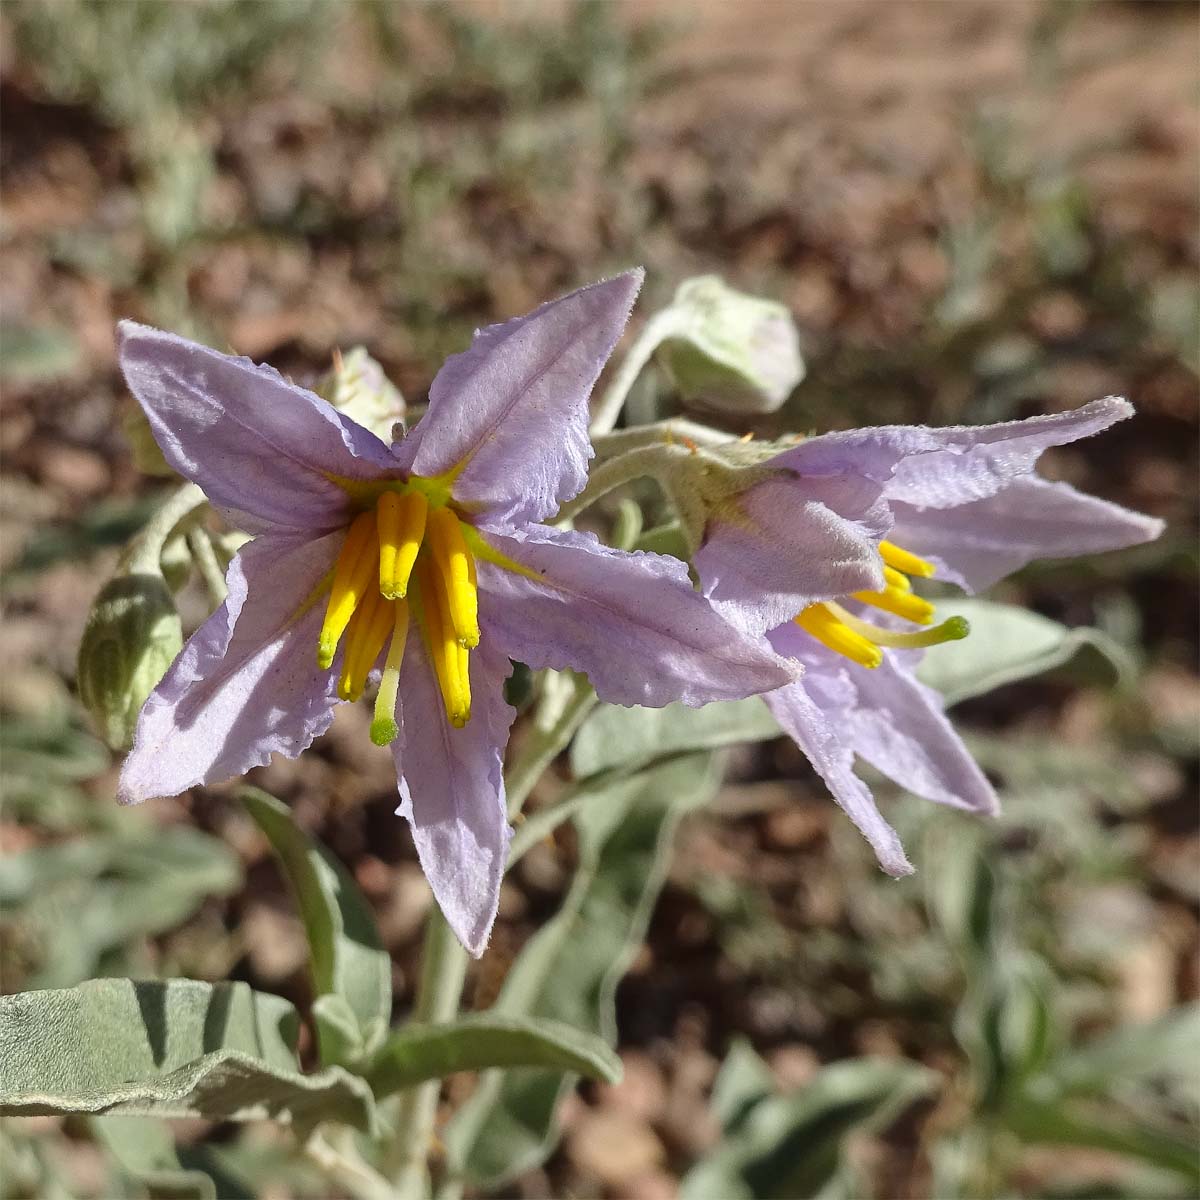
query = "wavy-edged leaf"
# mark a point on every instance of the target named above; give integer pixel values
(1009, 643)
(173, 1048)
(475, 1043)
(345, 950)
(570, 969)
(630, 737)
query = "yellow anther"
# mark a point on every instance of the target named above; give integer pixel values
(952, 630)
(896, 579)
(450, 657)
(901, 603)
(364, 641)
(830, 630)
(902, 560)
(353, 577)
(383, 724)
(401, 529)
(457, 569)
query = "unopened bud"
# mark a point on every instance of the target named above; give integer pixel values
(357, 386)
(733, 352)
(132, 636)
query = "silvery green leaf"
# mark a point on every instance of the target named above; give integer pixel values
(629, 737)
(570, 969)
(345, 949)
(792, 1145)
(475, 1043)
(1006, 644)
(1168, 1046)
(743, 1081)
(145, 1149)
(77, 900)
(175, 1048)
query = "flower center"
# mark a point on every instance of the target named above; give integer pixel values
(402, 554)
(859, 640)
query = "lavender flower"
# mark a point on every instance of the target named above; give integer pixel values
(834, 529)
(426, 558)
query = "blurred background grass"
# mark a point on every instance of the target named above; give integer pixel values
(975, 211)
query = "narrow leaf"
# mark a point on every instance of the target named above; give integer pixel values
(345, 949)
(792, 1145)
(475, 1043)
(1007, 644)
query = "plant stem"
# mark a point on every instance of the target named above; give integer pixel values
(565, 703)
(568, 701)
(334, 1152)
(660, 327)
(674, 429)
(607, 476)
(145, 550)
(205, 557)
(443, 972)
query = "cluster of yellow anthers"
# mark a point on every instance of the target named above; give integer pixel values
(859, 640)
(403, 553)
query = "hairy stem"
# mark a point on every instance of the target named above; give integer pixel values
(609, 475)
(143, 553)
(205, 557)
(671, 431)
(660, 327)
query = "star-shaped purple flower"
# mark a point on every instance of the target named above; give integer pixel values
(820, 549)
(426, 560)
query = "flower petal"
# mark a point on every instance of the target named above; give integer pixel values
(806, 722)
(247, 681)
(792, 542)
(452, 787)
(632, 622)
(974, 462)
(514, 407)
(899, 727)
(260, 447)
(978, 543)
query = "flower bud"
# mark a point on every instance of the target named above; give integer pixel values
(357, 386)
(132, 636)
(733, 352)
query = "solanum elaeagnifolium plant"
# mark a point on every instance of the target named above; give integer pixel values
(414, 568)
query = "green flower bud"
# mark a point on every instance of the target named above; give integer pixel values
(358, 387)
(132, 636)
(731, 352)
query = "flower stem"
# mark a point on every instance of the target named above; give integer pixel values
(668, 432)
(205, 557)
(660, 327)
(565, 703)
(609, 475)
(145, 550)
